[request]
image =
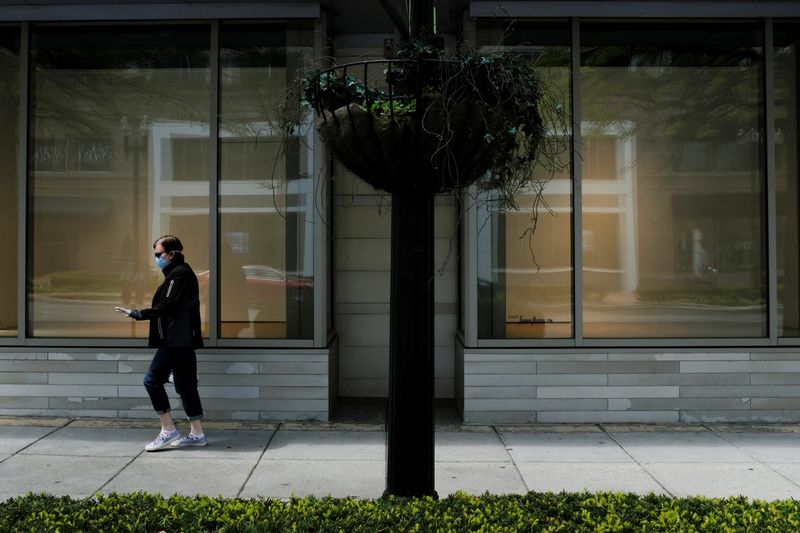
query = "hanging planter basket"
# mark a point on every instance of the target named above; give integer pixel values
(430, 125)
(406, 152)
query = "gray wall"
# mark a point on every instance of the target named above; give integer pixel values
(280, 384)
(538, 386)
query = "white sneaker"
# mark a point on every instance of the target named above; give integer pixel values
(163, 440)
(190, 441)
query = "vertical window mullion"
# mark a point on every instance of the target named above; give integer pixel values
(22, 188)
(213, 131)
(470, 282)
(769, 142)
(577, 200)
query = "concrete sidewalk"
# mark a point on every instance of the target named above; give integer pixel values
(80, 457)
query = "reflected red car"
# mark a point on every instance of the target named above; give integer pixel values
(264, 284)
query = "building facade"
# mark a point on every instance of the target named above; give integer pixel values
(661, 283)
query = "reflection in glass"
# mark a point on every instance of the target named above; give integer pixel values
(119, 152)
(787, 148)
(673, 181)
(525, 276)
(267, 196)
(9, 177)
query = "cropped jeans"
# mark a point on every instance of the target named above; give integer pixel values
(182, 362)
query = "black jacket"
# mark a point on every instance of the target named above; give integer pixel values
(175, 312)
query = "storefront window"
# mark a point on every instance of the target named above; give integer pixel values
(267, 193)
(525, 276)
(9, 177)
(787, 146)
(119, 155)
(673, 180)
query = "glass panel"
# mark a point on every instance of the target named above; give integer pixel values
(9, 178)
(787, 147)
(119, 156)
(267, 195)
(525, 276)
(673, 180)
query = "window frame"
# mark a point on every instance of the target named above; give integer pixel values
(469, 335)
(180, 14)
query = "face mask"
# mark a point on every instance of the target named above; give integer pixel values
(161, 262)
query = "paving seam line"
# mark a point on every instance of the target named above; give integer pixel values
(258, 461)
(126, 465)
(721, 435)
(65, 424)
(513, 462)
(640, 465)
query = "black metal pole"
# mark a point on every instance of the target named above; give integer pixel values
(410, 422)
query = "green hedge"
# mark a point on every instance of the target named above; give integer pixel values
(567, 512)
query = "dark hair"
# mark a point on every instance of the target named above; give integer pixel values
(170, 243)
